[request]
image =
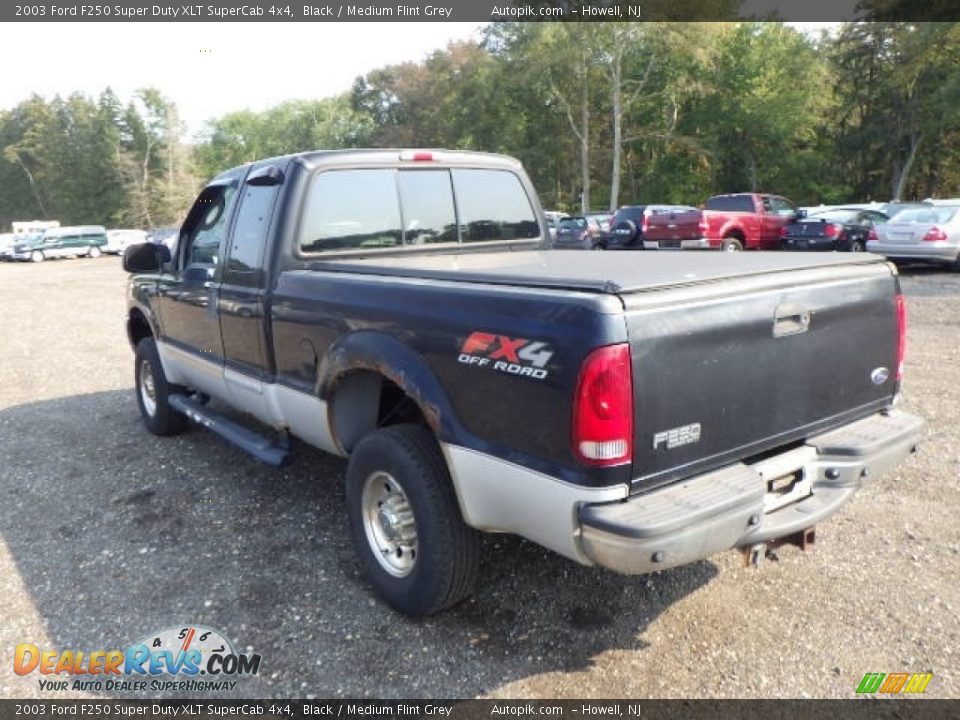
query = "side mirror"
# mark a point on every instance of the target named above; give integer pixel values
(145, 258)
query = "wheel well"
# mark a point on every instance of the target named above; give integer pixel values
(738, 234)
(138, 328)
(364, 401)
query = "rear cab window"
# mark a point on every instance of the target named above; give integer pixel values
(370, 208)
(731, 203)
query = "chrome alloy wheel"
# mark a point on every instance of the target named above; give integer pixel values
(148, 389)
(389, 524)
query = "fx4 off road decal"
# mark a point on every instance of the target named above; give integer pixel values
(516, 356)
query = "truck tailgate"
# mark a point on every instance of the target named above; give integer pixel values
(730, 368)
(666, 226)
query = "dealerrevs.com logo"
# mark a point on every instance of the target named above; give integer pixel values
(190, 658)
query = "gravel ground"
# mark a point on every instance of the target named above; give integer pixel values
(108, 534)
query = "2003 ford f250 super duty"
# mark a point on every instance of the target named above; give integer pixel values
(394, 307)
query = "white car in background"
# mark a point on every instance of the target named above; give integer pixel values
(120, 240)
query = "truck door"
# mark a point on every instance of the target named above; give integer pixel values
(188, 295)
(243, 290)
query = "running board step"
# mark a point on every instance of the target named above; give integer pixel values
(262, 448)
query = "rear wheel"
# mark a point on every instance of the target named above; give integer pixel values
(731, 244)
(857, 246)
(405, 522)
(37, 256)
(153, 392)
(93, 252)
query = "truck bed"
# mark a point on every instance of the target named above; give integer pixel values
(596, 272)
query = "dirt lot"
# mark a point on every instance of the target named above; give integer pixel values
(108, 534)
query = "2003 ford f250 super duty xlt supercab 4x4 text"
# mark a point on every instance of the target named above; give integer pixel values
(395, 308)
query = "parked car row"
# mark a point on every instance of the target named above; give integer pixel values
(926, 231)
(76, 241)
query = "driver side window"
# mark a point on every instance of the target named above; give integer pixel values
(206, 225)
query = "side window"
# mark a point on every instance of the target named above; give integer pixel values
(767, 204)
(493, 206)
(206, 225)
(245, 261)
(428, 213)
(351, 209)
(782, 208)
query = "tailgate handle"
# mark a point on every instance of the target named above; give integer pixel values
(790, 320)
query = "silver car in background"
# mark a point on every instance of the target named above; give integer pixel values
(928, 234)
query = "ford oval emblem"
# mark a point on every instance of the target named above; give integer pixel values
(880, 376)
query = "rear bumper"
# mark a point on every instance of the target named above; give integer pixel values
(731, 507)
(940, 252)
(691, 244)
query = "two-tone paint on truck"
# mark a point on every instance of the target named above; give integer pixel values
(395, 307)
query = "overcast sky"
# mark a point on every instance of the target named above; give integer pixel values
(209, 69)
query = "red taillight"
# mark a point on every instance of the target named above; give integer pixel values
(603, 408)
(644, 224)
(935, 234)
(872, 235)
(830, 230)
(704, 226)
(901, 335)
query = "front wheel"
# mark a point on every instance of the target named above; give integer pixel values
(731, 244)
(93, 252)
(153, 392)
(37, 256)
(405, 522)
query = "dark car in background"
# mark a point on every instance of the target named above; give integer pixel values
(844, 229)
(580, 232)
(61, 242)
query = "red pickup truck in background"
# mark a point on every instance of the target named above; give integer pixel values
(739, 221)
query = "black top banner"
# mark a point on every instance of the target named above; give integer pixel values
(483, 11)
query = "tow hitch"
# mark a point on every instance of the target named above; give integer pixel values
(755, 554)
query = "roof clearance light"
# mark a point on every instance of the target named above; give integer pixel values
(417, 156)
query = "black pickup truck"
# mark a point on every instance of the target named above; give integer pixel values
(398, 308)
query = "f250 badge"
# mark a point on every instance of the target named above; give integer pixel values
(677, 437)
(515, 356)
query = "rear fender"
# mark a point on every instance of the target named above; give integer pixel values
(384, 355)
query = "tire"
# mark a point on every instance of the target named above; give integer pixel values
(400, 499)
(731, 244)
(93, 252)
(153, 391)
(857, 246)
(37, 256)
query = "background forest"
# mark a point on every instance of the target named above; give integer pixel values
(601, 114)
